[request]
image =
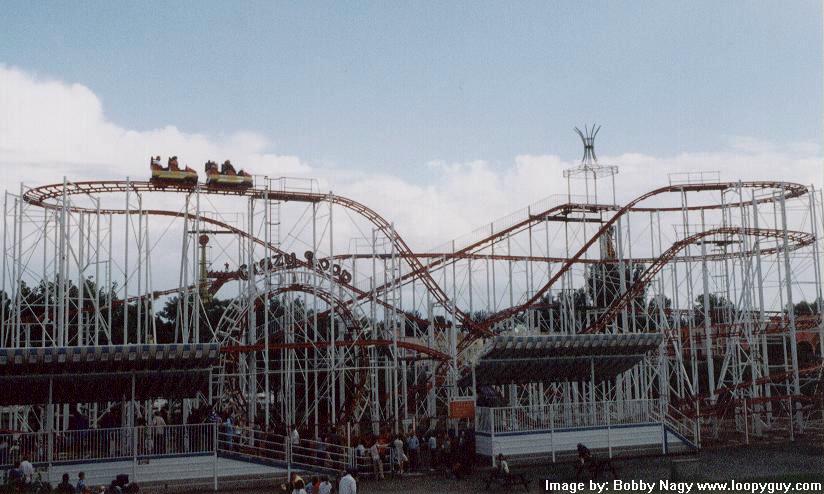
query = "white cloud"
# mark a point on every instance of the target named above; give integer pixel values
(50, 128)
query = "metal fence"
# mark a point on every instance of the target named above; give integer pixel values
(311, 454)
(106, 444)
(125, 443)
(305, 454)
(566, 415)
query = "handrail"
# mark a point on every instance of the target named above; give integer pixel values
(565, 415)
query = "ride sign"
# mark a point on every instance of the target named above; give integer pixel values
(462, 409)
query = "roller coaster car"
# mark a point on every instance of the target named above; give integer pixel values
(172, 174)
(227, 176)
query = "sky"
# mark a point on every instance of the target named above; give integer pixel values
(441, 116)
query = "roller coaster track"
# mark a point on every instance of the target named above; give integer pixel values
(790, 190)
(448, 256)
(236, 231)
(711, 408)
(48, 196)
(40, 196)
(798, 238)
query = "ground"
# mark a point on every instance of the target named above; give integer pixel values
(800, 461)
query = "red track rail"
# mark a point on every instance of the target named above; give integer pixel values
(40, 196)
(798, 238)
(789, 190)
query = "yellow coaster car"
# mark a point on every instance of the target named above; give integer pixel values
(172, 174)
(226, 176)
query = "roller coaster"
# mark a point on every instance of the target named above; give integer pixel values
(326, 316)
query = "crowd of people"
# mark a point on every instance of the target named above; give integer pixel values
(366, 455)
(449, 451)
(321, 484)
(22, 478)
(66, 487)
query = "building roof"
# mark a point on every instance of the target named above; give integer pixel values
(555, 358)
(86, 374)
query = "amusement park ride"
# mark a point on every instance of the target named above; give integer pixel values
(325, 316)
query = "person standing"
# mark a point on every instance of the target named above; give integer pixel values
(27, 471)
(400, 457)
(377, 464)
(413, 444)
(347, 484)
(229, 427)
(445, 455)
(433, 451)
(360, 456)
(65, 487)
(81, 483)
(159, 426)
(299, 487)
(325, 486)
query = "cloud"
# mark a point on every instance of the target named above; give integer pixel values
(51, 128)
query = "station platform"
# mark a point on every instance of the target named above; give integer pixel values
(200, 469)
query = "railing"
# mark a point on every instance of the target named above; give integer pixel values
(317, 454)
(175, 439)
(106, 444)
(690, 178)
(483, 419)
(306, 454)
(561, 421)
(132, 443)
(565, 416)
(94, 444)
(13, 446)
(252, 443)
(687, 427)
(367, 467)
(633, 412)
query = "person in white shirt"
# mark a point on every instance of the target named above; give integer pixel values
(504, 465)
(294, 438)
(400, 457)
(27, 469)
(347, 484)
(299, 487)
(377, 464)
(325, 486)
(159, 425)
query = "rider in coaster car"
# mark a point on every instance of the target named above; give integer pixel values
(227, 168)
